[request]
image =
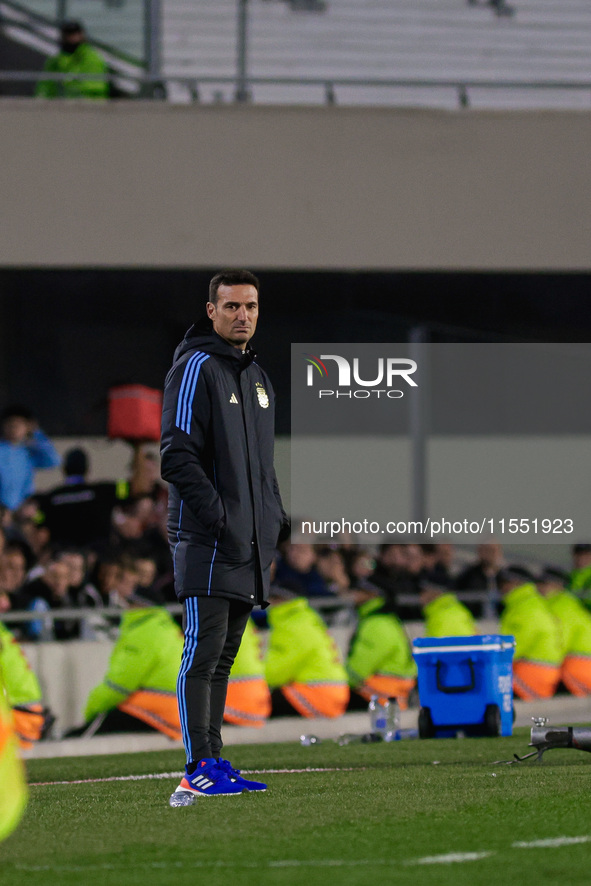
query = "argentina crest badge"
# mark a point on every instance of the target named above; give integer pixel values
(262, 395)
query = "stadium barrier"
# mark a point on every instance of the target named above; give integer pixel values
(147, 86)
(68, 670)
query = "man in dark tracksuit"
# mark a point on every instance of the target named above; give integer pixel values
(225, 514)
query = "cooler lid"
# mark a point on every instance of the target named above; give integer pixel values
(475, 643)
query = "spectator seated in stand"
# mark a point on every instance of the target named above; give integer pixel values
(125, 581)
(50, 591)
(145, 480)
(303, 665)
(138, 692)
(580, 577)
(574, 620)
(360, 567)
(78, 513)
(135, 526)
(483, 576)
(76, 56)
(437, 562)
(538, 650)
(13, 573)
(298, 568)
(22, 688)
(444, 615)
(248, 700)
(392, 574)
(380, 660)
(24, 449)
(330, 563)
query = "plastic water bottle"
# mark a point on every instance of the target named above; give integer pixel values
(307, 741)
(405, 734)
(348, 738)
(383, 717)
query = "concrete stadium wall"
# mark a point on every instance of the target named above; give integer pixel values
(140, 184)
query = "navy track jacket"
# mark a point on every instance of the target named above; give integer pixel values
(225, 511)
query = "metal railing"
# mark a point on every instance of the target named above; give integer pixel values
(327, 605)
(151, 86)
(138, 57)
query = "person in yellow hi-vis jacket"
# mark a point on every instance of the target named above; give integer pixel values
(574, 620)
(303, 664)
(139, 689)
(444, 615)
(13, 789)
(248, 700)
(380, 660)
(23, 692)
(538, 646)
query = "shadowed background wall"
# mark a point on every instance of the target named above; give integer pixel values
(131, 185)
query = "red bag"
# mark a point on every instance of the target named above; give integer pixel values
(135, 413)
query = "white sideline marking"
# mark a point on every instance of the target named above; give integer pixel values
(255, 865)
(44, 784)
(450, 858)
(551, 843)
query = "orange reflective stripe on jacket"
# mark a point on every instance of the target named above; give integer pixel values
(248, 702)
(6, 730)
(387, 687)
(576, 674)
(533, 680)
(157, 709)
(317, 699)
(28, 724)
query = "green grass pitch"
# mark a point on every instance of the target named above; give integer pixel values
(384, 813)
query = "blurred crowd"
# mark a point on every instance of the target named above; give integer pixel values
(85, 544)
(99, 546)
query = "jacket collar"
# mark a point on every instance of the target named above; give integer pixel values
(201, 336)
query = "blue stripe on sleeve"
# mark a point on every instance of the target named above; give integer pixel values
(186, 426)
(186, 376)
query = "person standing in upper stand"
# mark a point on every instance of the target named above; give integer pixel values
(76, 56)
(24, 449)
(225, 514)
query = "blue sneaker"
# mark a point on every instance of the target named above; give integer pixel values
(208, 780)
(234, 776)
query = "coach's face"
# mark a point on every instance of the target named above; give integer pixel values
(235, 314)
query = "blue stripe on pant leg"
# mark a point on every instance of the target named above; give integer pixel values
(189, 649)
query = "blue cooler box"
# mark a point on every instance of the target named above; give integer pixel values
(465, 684)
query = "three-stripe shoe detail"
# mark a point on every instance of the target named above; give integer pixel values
(209, 780)
(202, 783)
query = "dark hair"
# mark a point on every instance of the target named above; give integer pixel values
(428, 549)
(581, 549)
(16, 410)
(75, 463)
(554, 575)
(512, 573)
(231, 278)
(72, 27)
